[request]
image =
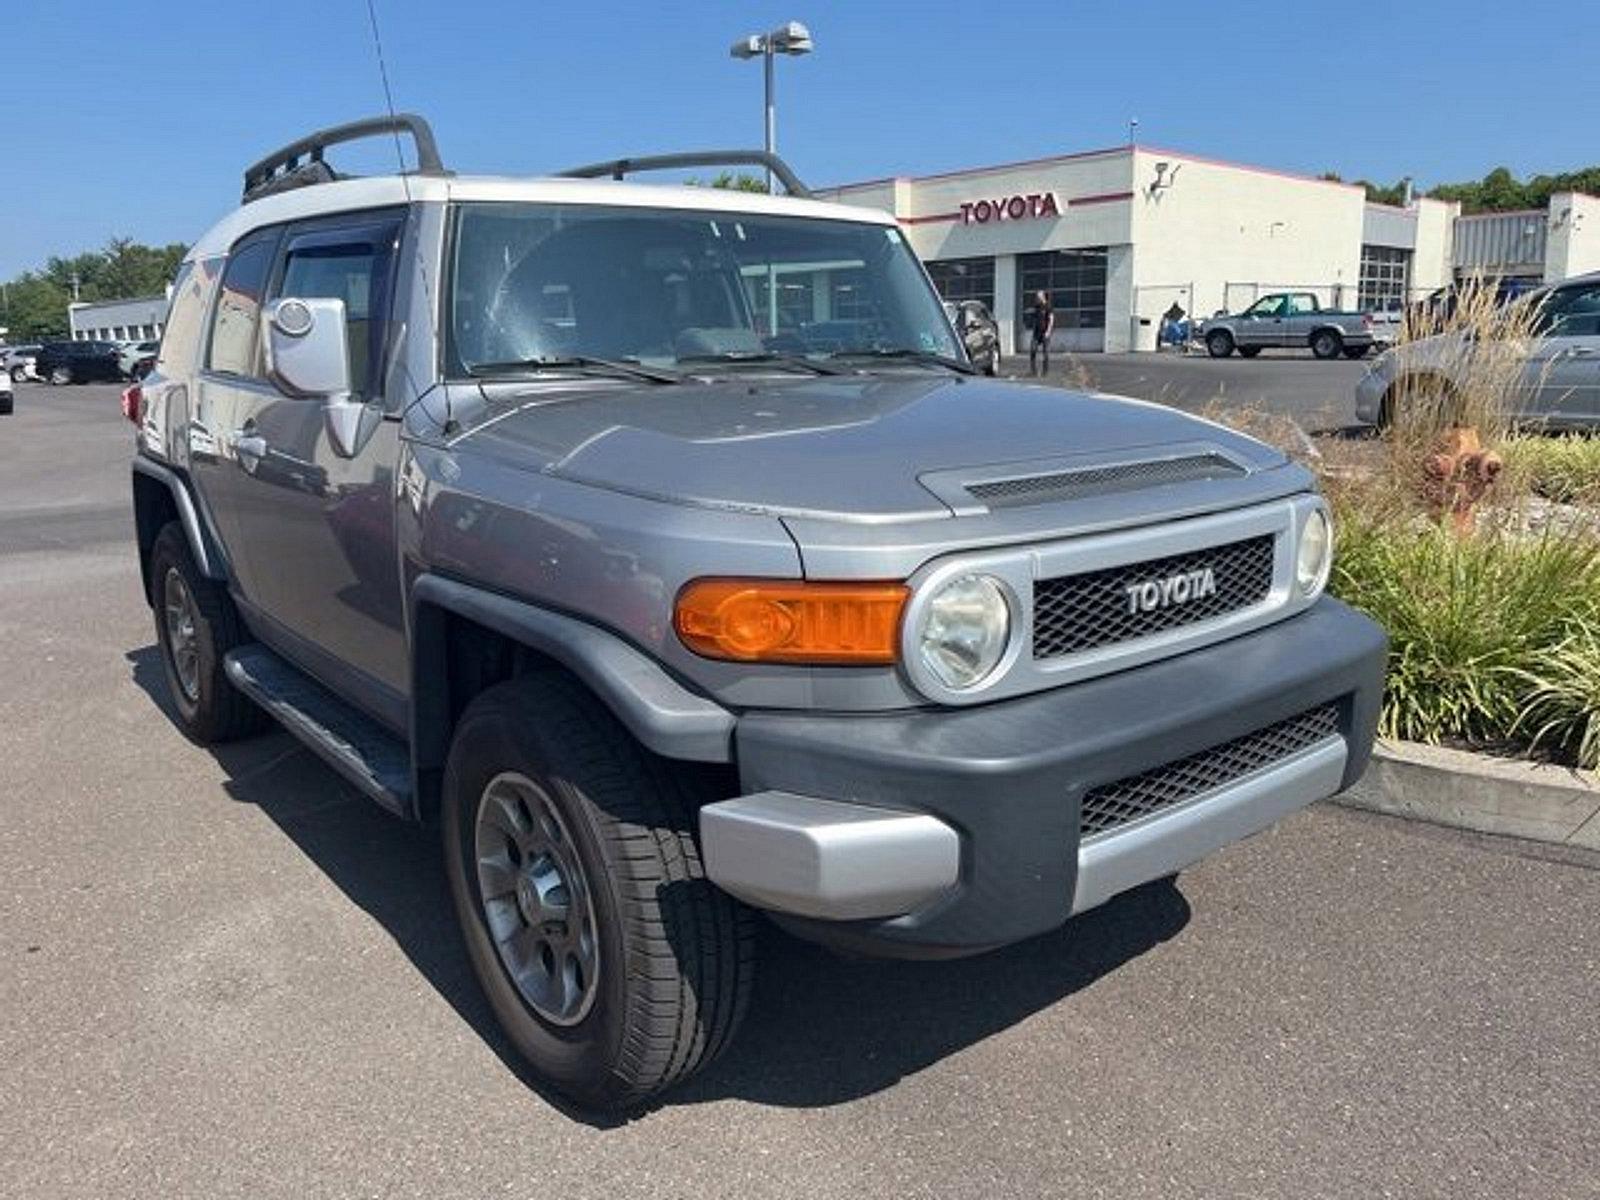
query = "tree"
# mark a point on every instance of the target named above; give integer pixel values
(34, 305)
(730, 182)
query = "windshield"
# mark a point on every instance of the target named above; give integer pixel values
(534, 283)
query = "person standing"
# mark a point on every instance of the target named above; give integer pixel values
(1044, 324)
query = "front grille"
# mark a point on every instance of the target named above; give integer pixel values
(1099, 481)
(1116, 804)
(1075, 613)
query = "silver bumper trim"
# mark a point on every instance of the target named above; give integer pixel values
(820, 858)
(1159, 845)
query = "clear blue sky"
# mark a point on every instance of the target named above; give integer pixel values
(137, 120)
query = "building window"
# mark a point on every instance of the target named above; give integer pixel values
(1075, 281)
(1385, 278)
(961, 279)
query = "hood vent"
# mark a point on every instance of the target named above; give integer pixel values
(1101, 480)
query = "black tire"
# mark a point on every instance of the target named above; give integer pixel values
(1248, 351)
(211, 710)
(6, 402)
(1219, 343)
(60, 376)
(1355, 352)
(687, 947)
(1326, 344)
(19, 374)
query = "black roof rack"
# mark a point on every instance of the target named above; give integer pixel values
(621, 167)
(283, 169)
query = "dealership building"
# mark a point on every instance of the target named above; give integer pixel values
(1117, 237)
(136, 320)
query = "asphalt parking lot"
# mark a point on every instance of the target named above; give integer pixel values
(226, 975)
(1320, 396)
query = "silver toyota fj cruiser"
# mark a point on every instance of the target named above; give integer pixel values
(662, 547)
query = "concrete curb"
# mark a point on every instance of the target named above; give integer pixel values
(1558, 805)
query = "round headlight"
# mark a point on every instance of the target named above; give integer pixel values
(1316, 553)
(965, 627)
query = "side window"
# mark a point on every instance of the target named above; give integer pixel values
(1300, 305)
(185, 320)
(1572, 312)
(341, 272)
(234, 325)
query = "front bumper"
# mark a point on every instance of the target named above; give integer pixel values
(947, 832)
(1370, 390)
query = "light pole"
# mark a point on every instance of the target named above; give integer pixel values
(790, 38)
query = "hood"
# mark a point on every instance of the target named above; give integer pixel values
(871, 448)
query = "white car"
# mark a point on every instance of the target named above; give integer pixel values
(18, 363)
(130, 354)
(1560, 385)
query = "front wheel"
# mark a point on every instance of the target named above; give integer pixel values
(613, 964)
(1219, 343)
(19, 374)
(1325, 344)
(7, 401)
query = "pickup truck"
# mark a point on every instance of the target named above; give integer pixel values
(517, 503)
(1294, 319)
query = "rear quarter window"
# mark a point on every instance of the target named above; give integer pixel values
(186, 314)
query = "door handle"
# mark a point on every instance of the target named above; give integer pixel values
(1583, 352)
(249, 447)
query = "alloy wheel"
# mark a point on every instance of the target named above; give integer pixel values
(183, 641)
(535, 899)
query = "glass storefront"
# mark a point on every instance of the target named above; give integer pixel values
(1385, 277)
(961, 279)
(1075, 281)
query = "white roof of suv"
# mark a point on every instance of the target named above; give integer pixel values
(378, 191)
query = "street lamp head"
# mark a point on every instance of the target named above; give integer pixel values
(792, 38)
(753, 46)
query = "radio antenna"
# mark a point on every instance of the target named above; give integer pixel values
(388, 96)
(405, 183)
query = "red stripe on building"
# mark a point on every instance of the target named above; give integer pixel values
(1102, 198)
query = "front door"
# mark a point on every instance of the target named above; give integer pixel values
(320, 576)
(1562, 377)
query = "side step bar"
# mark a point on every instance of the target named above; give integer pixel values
(349, 741)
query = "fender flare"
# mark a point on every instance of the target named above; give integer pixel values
(207, 556)
(660, 712)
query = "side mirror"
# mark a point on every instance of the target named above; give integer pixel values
(308, 358)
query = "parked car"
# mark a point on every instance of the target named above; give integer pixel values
(978, 331)
(1290, 319)
(663, 618)
(19, 363)
(1559, 384)
(134, 358)
(1439, 305)
(78, 362)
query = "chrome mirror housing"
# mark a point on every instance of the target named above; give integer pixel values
(308, 357)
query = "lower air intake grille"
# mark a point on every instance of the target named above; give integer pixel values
(1115, 804)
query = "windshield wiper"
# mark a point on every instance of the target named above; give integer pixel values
(616, 368)
(907, 354)
(763, 358)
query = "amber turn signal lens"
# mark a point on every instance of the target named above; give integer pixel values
(768, 620)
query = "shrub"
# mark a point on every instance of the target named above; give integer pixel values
(1473, 623)
(1565, 469)
(1562, 710)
